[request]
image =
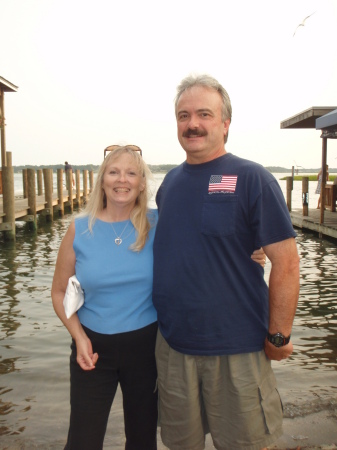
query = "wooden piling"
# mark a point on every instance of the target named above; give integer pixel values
(91, 180)
(324, 180)
(78, 187)
(60, 191)
(25, 183)
(305, 195)
(69, 179)
(85, 186)
(2, 129)
(8, 199)
(289, 189)
(9, 159)
(48, 193)
(39, 182)
(31, 193)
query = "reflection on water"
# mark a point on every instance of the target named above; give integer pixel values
(34, 346)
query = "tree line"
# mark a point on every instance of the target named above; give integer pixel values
(158, 168)
(154, 168)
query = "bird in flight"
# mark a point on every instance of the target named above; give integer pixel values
(302, 23)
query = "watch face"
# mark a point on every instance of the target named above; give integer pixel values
(278, 340)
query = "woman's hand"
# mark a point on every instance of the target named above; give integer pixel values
(259, 257)
(86, 358)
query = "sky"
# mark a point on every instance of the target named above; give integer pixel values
(96, 73)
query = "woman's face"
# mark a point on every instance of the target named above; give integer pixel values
(122, 182)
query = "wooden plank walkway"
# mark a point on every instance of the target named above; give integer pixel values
(22, 209)
(311, 222)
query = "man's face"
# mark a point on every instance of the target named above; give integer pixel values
(201, 130)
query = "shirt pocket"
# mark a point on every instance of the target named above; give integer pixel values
(219, 214)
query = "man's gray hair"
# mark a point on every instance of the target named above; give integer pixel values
(211, 83)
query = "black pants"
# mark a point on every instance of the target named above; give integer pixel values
(127, 359)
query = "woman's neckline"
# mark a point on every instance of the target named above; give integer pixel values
(112, 221)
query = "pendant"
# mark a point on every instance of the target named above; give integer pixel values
(118, 241)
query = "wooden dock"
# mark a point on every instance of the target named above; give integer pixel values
(21, 207)
(39, 198)
(309, 219)
(311, 222)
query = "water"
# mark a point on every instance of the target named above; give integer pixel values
(34, 346)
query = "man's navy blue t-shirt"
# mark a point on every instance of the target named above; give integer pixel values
(210, 296)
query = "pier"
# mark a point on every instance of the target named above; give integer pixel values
(323, 221)
(312, 222)
(39, 199)
(311, 219)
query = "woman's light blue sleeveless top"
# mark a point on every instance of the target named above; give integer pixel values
(117, 281)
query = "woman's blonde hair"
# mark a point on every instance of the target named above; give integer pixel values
(139, 215)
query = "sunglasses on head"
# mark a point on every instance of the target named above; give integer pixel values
(135, 148)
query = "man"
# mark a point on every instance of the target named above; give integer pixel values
(219, 325)
(67, 168)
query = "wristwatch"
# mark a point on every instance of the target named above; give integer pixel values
(278, 339)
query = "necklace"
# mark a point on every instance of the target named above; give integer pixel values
(119, 239)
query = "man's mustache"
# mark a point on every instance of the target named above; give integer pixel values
(189, 132)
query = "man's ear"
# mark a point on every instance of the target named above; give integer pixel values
(226, 124)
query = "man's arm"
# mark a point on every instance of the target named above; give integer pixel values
(283, 293)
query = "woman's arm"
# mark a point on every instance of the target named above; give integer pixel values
(259, 257)
(64, 269)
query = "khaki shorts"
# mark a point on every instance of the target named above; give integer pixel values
(234, 397)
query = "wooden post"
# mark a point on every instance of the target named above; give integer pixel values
(305, 195)
(69, 178)
(289, 189)
(8, 200)
(25, 183)
(85, 186)
(78, 187)
(9, 159)
(91, 180)
(60, 191)
(48, 193)
(39, 182)
(31, 193)
(324, 149)
(2, 128)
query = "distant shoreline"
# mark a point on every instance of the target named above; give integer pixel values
(159, 168)
(311, 177)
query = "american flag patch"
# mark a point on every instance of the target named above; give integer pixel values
(222, 183)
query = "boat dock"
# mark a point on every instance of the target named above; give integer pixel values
(322, 221)
(39, 199)
(21, 206)
(312, 222)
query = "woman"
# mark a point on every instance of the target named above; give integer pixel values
(109, 247)
(319, 184)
